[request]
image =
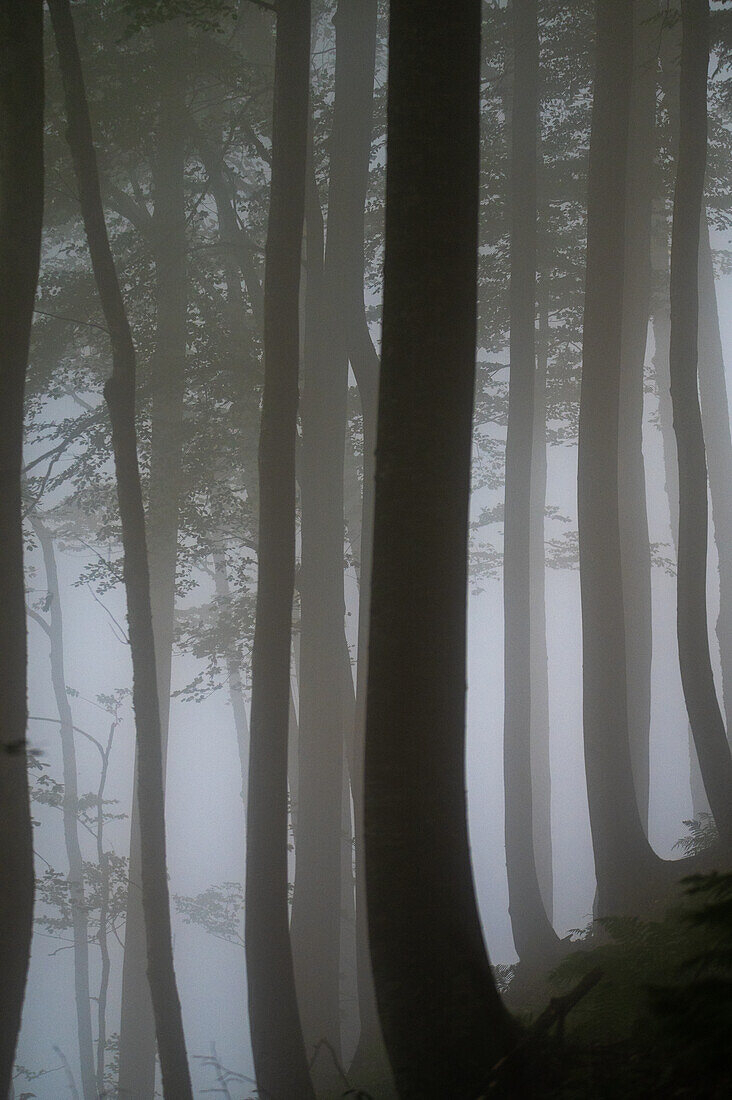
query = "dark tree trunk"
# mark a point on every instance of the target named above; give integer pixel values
(443, 1020)
(624, 862)
(80, 926)
(541, 782)
(718, 439)
(706, 720)
(634, 541)
(137, 1030)
(119, 392)
(21, 215)
(534, 937)
(279, 1052)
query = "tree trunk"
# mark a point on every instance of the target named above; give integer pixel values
(233, 676)
(137, 1031)
(21, 215)
(119, 392)
(534, 937)
(717, 436)
(326, 687)
(634, 540)
(279, 1052)
(624, 861)
(443, 1020)
(80, 925)
(541, 783)
(706, 720)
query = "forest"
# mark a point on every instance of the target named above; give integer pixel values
(365, 549)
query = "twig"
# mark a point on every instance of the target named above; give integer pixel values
(555, 1012)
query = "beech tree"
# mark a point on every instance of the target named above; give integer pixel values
(165, 233)
(120, 396)
(21, 215)
(707, 724)
(443, 1021)
(533, 935)
(625, 863)
(279, 1052)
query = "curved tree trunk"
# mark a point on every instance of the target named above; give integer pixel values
(706, 720)
(718, 440)
(634, 540)
(443, 1021)
(80, 926)
(534, 937)
(624, 862)
(21, 215)
(119, 392)
(279, 1053)
(137, 1030)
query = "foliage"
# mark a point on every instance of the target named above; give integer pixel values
(218, 910)
(658, 1022)
(701, 837)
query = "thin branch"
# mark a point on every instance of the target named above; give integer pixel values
(71, 320)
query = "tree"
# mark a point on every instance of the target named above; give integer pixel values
(21, 214)
(705, 717)
(53, 626)
(718, 443)
(533, 934)
(165, 230)
(119, 393)
(443, 1021)
(635, 547)
(624, 862)
(279, 1052)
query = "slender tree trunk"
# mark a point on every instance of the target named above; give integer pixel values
(624, 862)
(534, 937)
(80, 924)
(357, 44)
(634, 540)
(119, 392)
(326, 695)
(697, 678)
(137, 1030)
(104, 874)
(718, 439)
(279, 1052)
(21, 215)
(233, 676)
(443, 1020)
(541, 784)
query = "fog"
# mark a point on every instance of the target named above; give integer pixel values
(194, 132)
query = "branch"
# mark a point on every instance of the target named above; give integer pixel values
(136, 214)
(555, 1012)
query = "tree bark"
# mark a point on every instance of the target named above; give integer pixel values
(443, 1020)
(718, 440)
(624, 862)
(21, 216)
(541, 781)
(705, 716)
(534, 937)
(326, 686)
(279, 1052)
(80, 925)
(119, 392)
(634, 540)
(137, 1030)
